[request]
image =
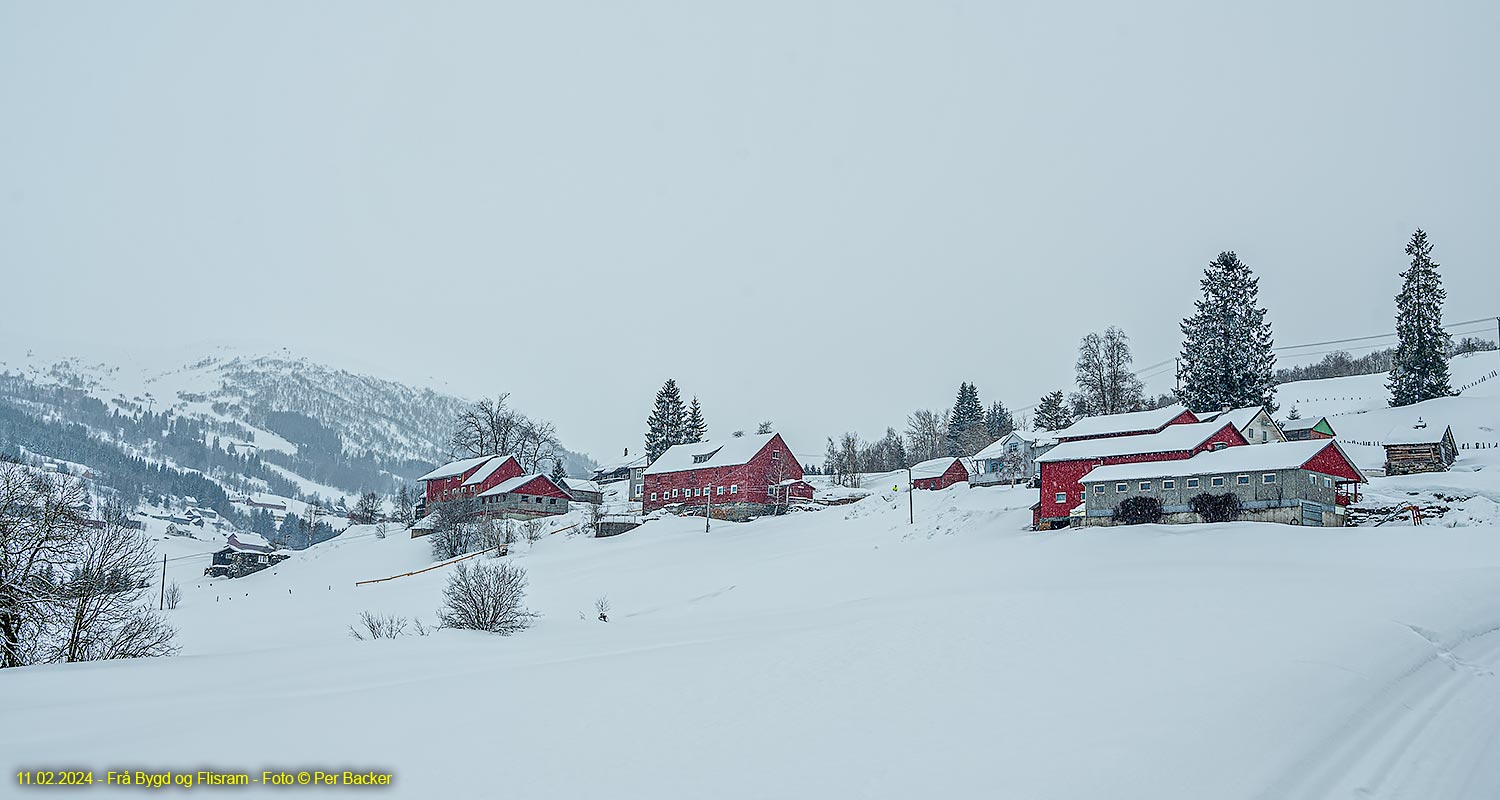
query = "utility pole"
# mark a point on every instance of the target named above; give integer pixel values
(1178, 361)
(162, 603)
(911, 509)
(709, 510)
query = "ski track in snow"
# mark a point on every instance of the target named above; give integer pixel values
(1433, 732)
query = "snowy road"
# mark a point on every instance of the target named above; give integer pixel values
(1434, 732)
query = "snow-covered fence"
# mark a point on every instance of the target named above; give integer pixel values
(1482, 379)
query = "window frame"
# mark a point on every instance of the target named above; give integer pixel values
(1060, 497)
(1216, 482)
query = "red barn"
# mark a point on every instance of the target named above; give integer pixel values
(469, 477)
(1064, 466)
(525, 496)
(938, 473)
(1135, 423)
(739, 475)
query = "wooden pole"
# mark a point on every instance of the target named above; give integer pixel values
(162, 603)
(709, 511)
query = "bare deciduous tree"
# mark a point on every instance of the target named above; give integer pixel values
(534, 529)
(485, 597)
(1106, 384)
(593, 514)
(173, 595)
(491, 427)
(381, 626)
(601, 605)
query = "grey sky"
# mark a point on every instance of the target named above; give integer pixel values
(826, 214)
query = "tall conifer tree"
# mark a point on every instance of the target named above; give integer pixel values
(664, 426)
(694, 428)
(1419, 369)
(1226, 349)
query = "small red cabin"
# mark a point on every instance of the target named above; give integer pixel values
(938, 473)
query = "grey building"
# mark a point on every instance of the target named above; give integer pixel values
(1011, 459)
(1295, 483)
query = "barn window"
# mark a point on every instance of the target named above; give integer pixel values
(1121, 487)
(721, 490)
(1098, 488)
(1216, 481)
(734, 488)
(653, 495)
(1062, 497)
(1327, 482)
(1192, 483)
(552, 501)
(1243, 480)
(1169, 484)
(1312, 480)
(674, 492)
(1145, 486)
(1269, 477)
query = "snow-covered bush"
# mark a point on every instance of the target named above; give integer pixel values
(173, 595)
(1138, 511)
(484, 597)
(1216, 507)
(379, 626)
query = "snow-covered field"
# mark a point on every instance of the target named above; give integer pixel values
(848, 653)
(838, 653)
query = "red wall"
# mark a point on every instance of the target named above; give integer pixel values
(1330, 462)
(1065, 476)
(752, 478)
(954, 474)
(510, 469)
(540, 486)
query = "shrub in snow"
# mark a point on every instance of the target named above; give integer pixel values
(1216, 507)
(377, 626)
(1138, 511)
(602, 606)
(485, 597)
(173, 595)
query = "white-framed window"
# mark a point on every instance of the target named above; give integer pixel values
(721, 490)
(1062, 497)
(1192, 483)
(1269, 477)
(734, 488)
(1312, 480)
(1145, 486)
(705, 491)
(1327, 482)
(1122, 487)
(1168, 483)
(1098, 488)
(1243, 480)
(653, 495)
(1216, 481)
(674, 492)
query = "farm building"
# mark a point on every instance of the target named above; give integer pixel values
(1012, 458)
(583, 491)
(1135, 423)
(1300, 430)
(938, 473)
(1294, 483)
(628, 468)
(468, 478)
(246, 553)
(738, 476)
(792, 490)
(524, 496)
(1254, 423)
(1419, 448)
(1063, 467)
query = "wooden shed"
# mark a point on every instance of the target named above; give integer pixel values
(1419, 448)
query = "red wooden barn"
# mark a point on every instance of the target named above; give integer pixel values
(938, 473)
(1064, 466)
(469, 477)
(743, 472)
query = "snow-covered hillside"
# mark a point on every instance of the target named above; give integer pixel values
(839, 653)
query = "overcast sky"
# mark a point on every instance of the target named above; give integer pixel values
(825, 214)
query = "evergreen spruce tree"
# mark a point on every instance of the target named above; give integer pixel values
(998, 421)
(1226, 350)
(664, 426)
(694, 428)
(1419, 370)
(1052, 412)
(559, 475)
(966, 423)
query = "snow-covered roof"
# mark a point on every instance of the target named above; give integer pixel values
(1303, 424)
(997, 449)
(513, 484)
(933, 468)
(1241, 417)
(582, 485)
(731, 452)
(1172, 439)
(1256, 458)
(247, 542)
(1136, 421)
(452, 468)
(624, 462)
(483, 473)
(1410, 434)
(426, 523)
